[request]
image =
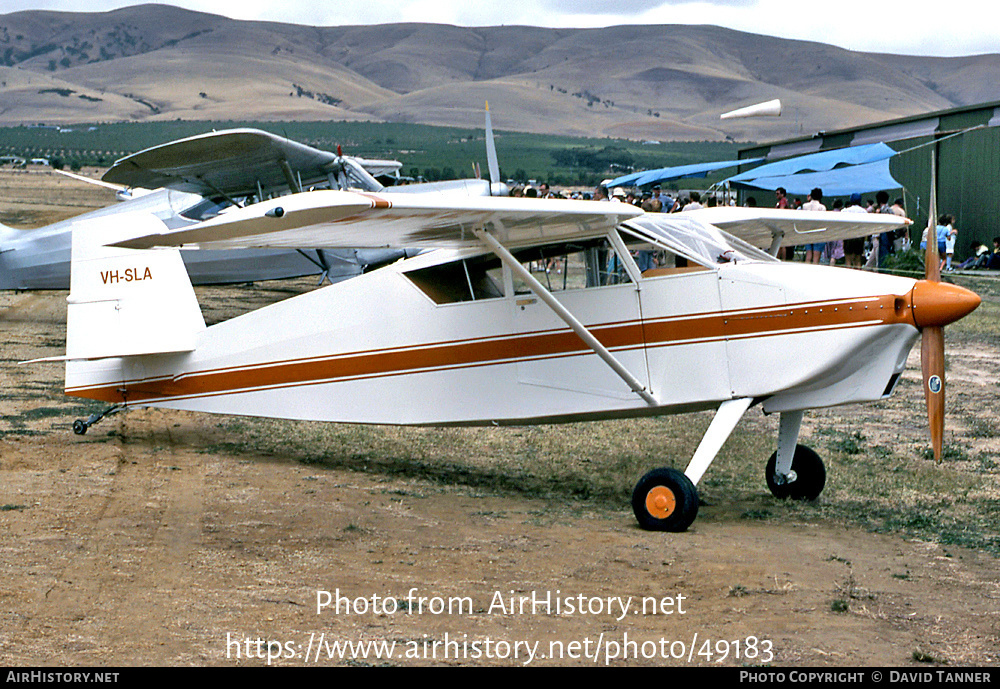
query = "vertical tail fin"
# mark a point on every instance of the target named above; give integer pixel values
(126, 302)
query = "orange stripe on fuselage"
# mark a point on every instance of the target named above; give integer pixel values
(761, 322)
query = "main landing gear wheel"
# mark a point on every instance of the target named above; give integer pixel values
(665, 500)
(808, 476)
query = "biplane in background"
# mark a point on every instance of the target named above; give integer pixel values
(479, 332)
(187, 181)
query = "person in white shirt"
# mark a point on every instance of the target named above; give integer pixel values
(695, 202)
(814, 202)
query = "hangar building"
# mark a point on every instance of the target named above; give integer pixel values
(967, 142)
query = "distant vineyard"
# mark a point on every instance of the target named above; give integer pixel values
(433, 153)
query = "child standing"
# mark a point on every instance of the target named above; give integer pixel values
(949, 243)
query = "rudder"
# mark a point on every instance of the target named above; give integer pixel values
(128, 302)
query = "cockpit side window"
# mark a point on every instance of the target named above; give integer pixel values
(471, 279)
(655, 260)
(572, 265)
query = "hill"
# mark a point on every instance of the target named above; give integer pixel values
(157, 62)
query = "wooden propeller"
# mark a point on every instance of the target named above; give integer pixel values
(932, 337)
(935, 305)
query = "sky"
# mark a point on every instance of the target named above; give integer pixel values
(908, 27)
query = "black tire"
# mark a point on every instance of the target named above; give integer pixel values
(79, 427)
(810, 476)
(672, 488)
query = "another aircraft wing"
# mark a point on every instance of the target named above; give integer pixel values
(760, 226)
(88, 180)
(342, 219)
(231, 162)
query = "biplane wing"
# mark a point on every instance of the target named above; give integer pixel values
(335, 219)
(234, 162)
(764, 227)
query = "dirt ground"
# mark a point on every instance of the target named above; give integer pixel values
(148, 542)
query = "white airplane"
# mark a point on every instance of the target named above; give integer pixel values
(189, 180)
(474, 333)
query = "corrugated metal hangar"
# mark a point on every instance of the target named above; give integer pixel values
(967, 145)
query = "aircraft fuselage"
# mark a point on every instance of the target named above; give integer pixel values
(386, 348)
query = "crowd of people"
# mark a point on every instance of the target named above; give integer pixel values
(861, 252)
(653, 200)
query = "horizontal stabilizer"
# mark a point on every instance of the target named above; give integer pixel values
(124, 302)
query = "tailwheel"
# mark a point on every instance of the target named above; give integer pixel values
(665, 500)
(804, 482)
(80, 426)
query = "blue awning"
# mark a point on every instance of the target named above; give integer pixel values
(845, 171)
(667, 174)
(860, 179)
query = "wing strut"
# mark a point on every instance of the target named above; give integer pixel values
(776, 237)
(286, 169)
(320, 262)
(576, 326)
(218, 191)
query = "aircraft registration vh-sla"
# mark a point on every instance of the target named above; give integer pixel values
(479, 332)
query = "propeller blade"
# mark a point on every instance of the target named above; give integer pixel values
(932, 259)
(491, 151)
(932, 365)
(932, 337)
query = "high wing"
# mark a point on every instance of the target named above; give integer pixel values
(328, 219)
(339, 219)
(233, 162)
(764, 226)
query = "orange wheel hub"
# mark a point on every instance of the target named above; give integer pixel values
(660, 502)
